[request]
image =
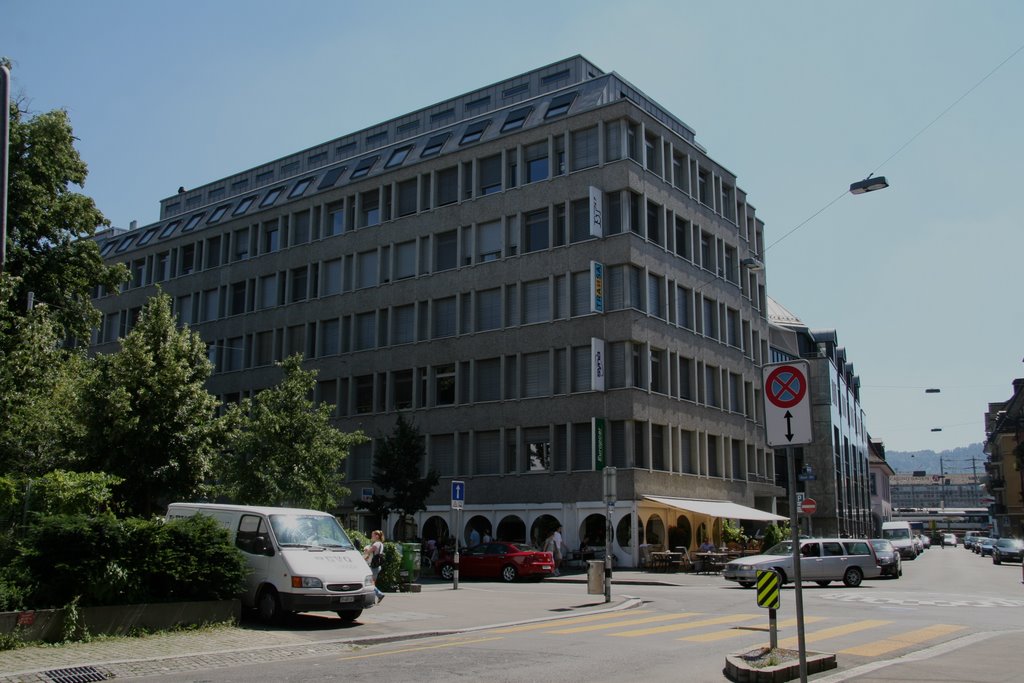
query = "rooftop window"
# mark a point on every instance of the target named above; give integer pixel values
(218, 213)
(331, 177)
(560, 105)
(169, 229)
(516, 119)
(128, 241)
(107, 247)
(345, 149)
(409, 127)
(398, 156)
(193, 221)
(243, 206)
(474, 132)
(300, 187)
(434, 145)
(147, 236)
(364, 167)
(271, 197)
(551, 78)
(514, 90)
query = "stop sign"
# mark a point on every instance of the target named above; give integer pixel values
(809, 506)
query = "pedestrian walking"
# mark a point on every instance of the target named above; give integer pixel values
(374, 556)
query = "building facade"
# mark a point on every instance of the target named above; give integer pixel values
(879, 473)
(936, 491)
(547, 276)
(1004, 468)
(834, 465)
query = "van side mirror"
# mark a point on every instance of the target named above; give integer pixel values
(261, 546)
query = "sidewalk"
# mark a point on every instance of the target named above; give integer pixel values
(436, 610)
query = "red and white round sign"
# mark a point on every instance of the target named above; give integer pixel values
(809, 506)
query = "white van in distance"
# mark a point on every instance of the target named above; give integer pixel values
(902, 538)
(299, 560)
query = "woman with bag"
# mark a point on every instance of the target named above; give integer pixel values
(374, 556)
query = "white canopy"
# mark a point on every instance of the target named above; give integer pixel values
(717, 508)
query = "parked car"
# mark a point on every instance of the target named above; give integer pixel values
(498, 560)
(926, 540)
(822, 560)
(1007, 550)
(888, 557)
(969, 538)
(985, 546)
(949, 539)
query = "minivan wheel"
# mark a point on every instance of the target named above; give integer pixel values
(349, 615)
(852, 577)
(823, 584)
(747, 584)
(268, 606)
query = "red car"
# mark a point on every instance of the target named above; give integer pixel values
(497, 560)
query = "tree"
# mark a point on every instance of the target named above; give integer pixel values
(150, 419)
(49, 227)
(396, 470)
(41, 390)
(282, 449)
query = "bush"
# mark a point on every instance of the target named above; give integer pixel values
(105, 561)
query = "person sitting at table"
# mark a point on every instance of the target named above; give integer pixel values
(707, 546)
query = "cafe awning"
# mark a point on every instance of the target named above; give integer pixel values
(717, 508)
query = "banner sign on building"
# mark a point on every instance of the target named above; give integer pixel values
(596, 212)
(596, 287)
(597, 429)
(597, 366)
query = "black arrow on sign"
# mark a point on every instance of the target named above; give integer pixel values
(789, 425)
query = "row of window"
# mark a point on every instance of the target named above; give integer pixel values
(429, 147)
(477, 177)
(540, 374)
(568, 448)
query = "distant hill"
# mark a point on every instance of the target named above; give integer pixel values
(957, 460)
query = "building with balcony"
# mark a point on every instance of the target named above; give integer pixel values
(879, 474)
(834, 466)
(546, 275)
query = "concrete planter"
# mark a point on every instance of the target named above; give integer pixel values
(48, 624)
(739, 668)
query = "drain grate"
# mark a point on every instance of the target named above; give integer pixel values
(75, 674)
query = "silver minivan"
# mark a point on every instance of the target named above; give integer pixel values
(822, 560)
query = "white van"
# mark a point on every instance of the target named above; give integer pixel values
(902, 538)
(299, 560)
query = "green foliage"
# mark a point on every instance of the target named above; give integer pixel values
(76, 559)
(151, 420)
(68, 493)
(49, 226)
(774, 534)
(41, 390)
(732, 532)
(396, 471)
(389, 578)
(282, 449)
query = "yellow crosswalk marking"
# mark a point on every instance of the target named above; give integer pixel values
(737, 632)
(902, 640)
(834, 632)
(629, 622)
(571, 620)
(687, 625)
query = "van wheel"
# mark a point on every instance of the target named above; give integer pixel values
(268, 606)
(349, 615)
(852, 577)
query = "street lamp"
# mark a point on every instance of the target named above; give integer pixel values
(869, 184)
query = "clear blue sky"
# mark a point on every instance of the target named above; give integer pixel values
(921, 281)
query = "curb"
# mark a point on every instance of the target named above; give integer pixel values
(106, 666)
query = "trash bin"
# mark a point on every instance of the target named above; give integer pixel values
(595, 577)
(409, 569)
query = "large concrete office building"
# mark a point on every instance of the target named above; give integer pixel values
(547, 275)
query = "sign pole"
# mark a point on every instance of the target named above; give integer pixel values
(794, 530)
(458, 532)
(610, 493)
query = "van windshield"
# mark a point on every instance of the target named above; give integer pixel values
(903, 533)
(310, 531)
